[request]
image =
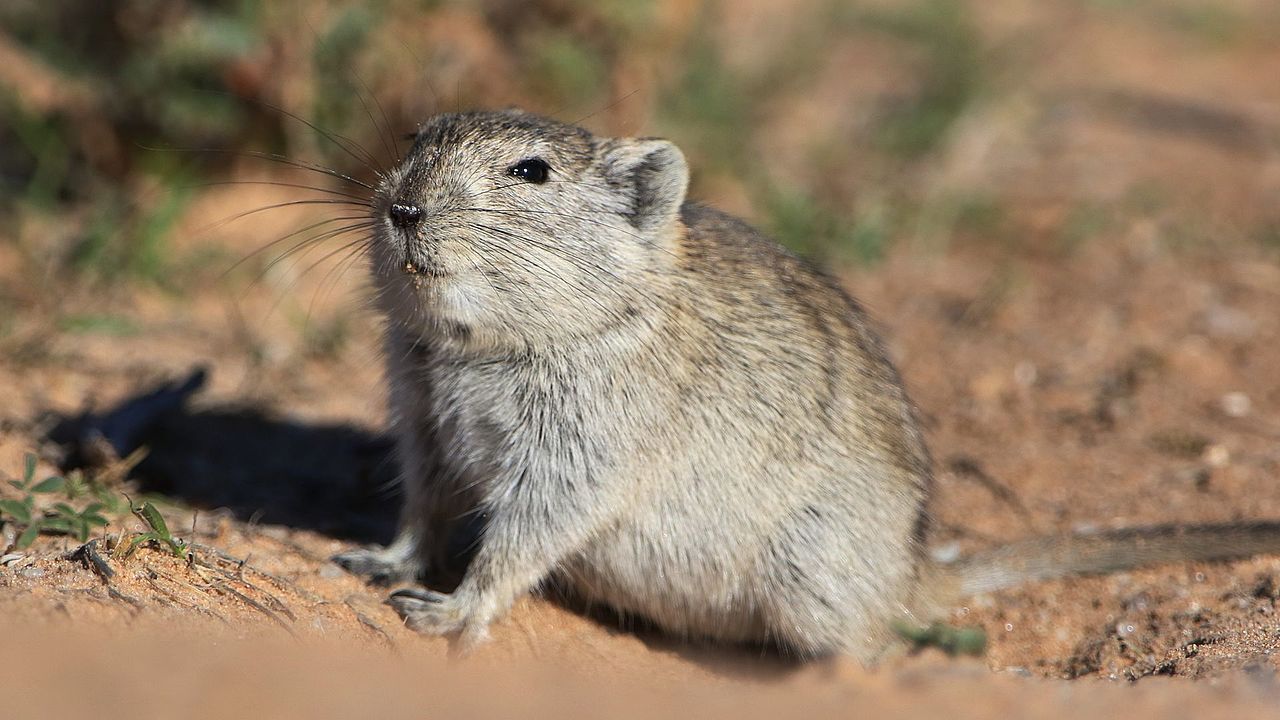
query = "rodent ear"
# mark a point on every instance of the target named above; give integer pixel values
(656, 174)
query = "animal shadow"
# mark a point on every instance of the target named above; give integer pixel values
(331, 478)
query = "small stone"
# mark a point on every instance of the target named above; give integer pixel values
(1236, 404)
(330, 571)
(1217, 456)
(945, 553)
(1025, 374)
(31, 572)
(1230, 323)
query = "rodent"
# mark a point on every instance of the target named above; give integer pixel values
(651, 404)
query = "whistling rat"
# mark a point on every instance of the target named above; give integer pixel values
(655, 406)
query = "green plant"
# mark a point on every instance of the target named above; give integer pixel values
(568, 69)
(98, 324)
(61, 518)
(1084, 222)
(708, 106)
(1268, 235)
(949, 639)
(950, 76)
(339, 103)
(813, 229)
(125, 241)
(159, 532)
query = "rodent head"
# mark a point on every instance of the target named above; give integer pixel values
(507, 230)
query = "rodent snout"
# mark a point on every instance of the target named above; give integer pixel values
(404, 215)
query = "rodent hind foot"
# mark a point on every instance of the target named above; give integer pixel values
(433, 613)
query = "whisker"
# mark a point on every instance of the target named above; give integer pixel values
(495, 188)
(295, 233)
(270, 157)
(518, 211)
(300, 186)
(274, 206)
(307, 244)
(598, 223)
(342, 142)
(484, 259)
(426, 75)
(300, 250)
(357, 247)
(298, 277)
(385, 134)
(548, 273)
(582, 261)
(606, 108)
(549, 181)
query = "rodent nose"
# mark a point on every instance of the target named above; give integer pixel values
(403, 215)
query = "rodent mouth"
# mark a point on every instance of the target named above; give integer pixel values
(429, 270)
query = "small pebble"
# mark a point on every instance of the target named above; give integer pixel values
(1227, 322)
(1024, 373)
(945, 553)
(1217, 456)
(31, 573)
(1236, 404)
(329, 571)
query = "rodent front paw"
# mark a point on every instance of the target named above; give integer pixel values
(427, 611)
(380, 566)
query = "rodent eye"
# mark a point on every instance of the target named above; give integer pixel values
(534, 170)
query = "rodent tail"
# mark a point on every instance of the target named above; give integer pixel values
(1108, 551)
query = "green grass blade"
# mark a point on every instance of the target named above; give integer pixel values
(151, 516)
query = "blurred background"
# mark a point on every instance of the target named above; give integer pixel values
(1064, 213)
(846, 127)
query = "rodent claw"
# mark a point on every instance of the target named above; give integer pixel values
(374, 565)
(418, 594)
(427, 611)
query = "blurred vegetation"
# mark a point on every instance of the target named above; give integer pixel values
(101, 102)
(129, 80)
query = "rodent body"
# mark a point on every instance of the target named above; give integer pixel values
(645, 400)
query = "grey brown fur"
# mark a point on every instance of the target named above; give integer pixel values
(645, 400)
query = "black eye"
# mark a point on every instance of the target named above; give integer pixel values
(534, 170)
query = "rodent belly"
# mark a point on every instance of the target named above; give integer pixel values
(696, 594)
